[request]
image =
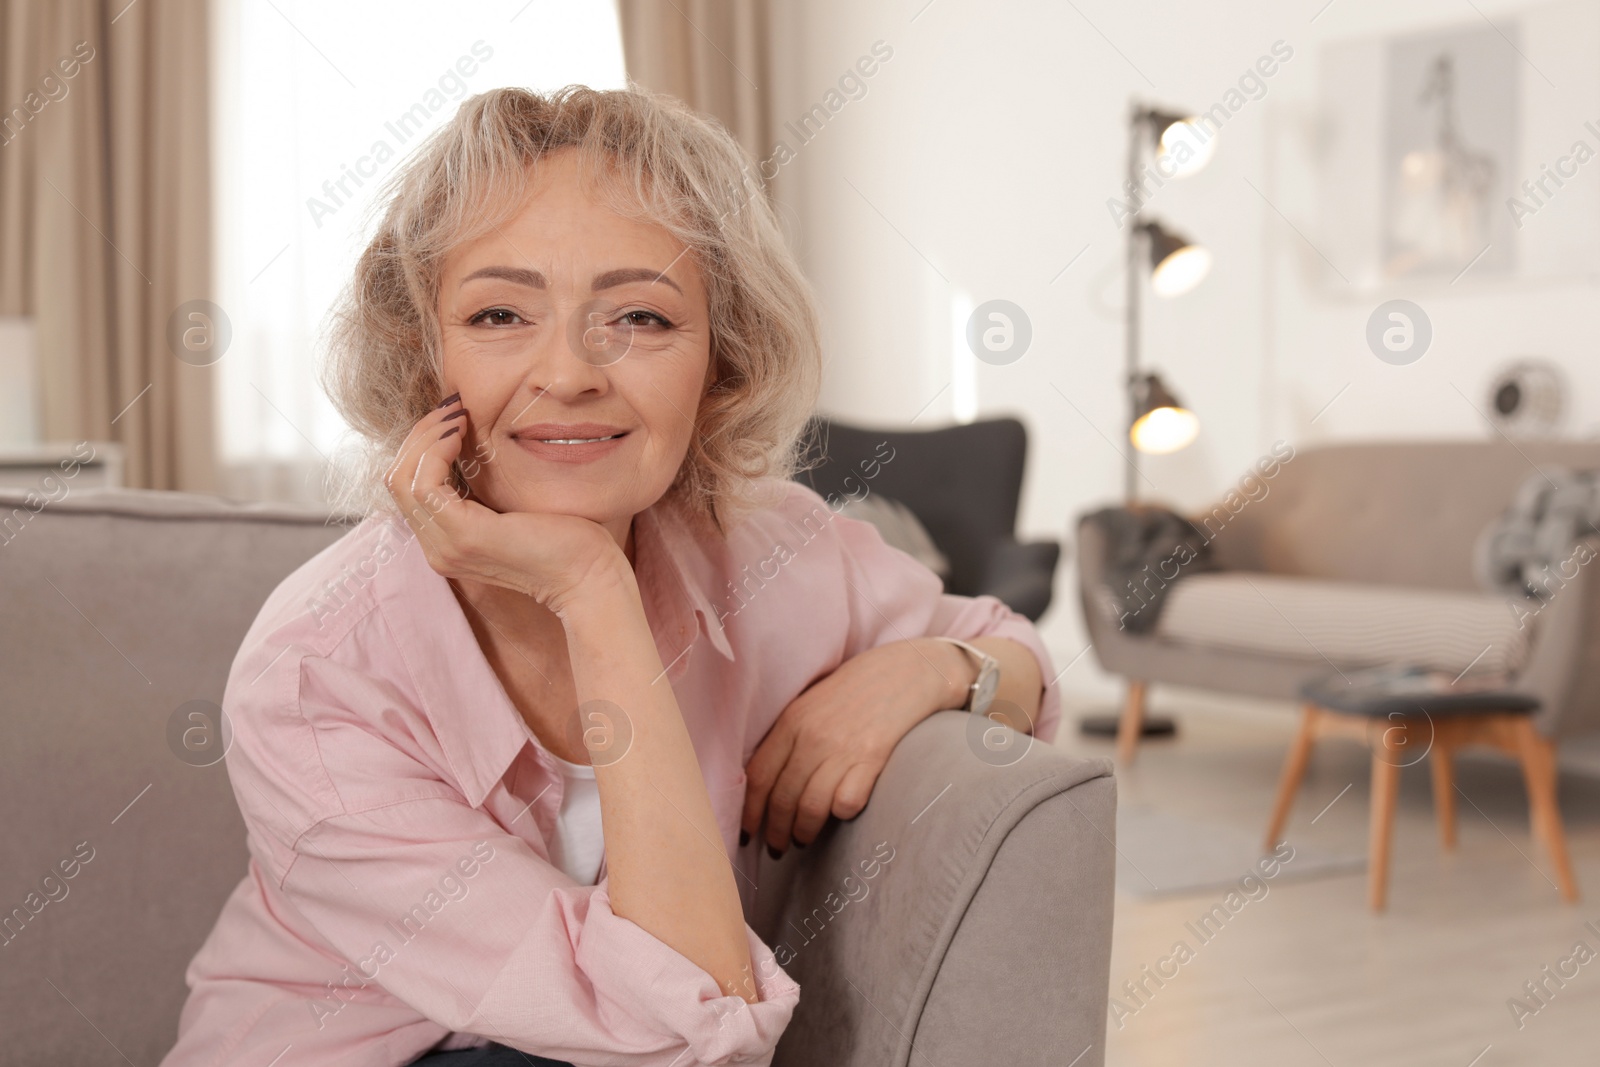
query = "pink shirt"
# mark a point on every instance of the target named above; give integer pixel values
(400, 894)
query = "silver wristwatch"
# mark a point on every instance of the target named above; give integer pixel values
(981, 693)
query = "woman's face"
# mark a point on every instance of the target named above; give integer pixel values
(567, 324)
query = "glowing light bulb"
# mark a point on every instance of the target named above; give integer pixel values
(1188, 147)
(1165, 430)
(1181, 271)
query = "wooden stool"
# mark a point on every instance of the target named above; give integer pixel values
(1400, 730)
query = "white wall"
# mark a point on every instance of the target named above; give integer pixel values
(19, 377)
(985, 150)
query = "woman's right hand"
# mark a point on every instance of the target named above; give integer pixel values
(547, 556)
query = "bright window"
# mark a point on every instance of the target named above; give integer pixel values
(317, 104)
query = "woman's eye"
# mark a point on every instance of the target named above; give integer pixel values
(495, 317)
(644, 318)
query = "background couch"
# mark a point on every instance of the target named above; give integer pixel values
(986, 940)
(1354, 555)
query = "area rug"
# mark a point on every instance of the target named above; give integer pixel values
(1161, 854)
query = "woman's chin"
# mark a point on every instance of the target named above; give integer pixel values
(600, 507)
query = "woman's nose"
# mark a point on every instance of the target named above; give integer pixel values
(572, 360)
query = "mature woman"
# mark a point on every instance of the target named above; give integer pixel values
(495, 745)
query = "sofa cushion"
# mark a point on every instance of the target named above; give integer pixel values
(120, 613)
(1347, 623)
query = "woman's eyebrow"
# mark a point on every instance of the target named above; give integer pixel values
(631, 274)
(519, 275)
(610, 279)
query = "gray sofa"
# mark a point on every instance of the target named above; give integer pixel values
(987, 941)
(1385, 518)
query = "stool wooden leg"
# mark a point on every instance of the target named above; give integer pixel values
(1442, 760)
(1294, 770)
(1539, 772)
(1385, 792)
(1132, 722)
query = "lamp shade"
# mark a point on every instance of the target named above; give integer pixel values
(1188, 148)
(1177, 264)
(1161, 423)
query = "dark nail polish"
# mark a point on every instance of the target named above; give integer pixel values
(447, 401)
(454, 415)
(774, 853)
(744, 838)
(451, 431)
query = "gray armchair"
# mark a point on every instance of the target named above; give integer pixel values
(964, 483)
(119, 606)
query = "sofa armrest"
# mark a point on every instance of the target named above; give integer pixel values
(1116, 649)
(961, 885)
(1563, 668)
(1021, 575)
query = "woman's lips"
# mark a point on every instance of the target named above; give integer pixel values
(570, 444)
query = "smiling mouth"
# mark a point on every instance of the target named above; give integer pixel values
(573, 440)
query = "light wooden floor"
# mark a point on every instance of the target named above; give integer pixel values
(1307, 975)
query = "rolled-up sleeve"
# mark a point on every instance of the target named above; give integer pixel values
(434, 903)
(473, 929)
(892, 597)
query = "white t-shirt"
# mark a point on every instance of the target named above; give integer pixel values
(579, 842)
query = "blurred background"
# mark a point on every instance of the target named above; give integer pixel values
(229, 152)
(1356, 244)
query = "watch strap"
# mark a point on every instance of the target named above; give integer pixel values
(984, 660)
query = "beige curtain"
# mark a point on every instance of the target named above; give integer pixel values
(105, 178)
(711, 54)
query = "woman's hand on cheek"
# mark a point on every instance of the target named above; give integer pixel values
(827, 748)
(548, 557)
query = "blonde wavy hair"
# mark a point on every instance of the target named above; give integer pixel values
(653, 159)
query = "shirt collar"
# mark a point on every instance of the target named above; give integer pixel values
(677, 559)
(479, 729)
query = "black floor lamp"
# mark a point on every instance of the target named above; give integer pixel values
(1171, 264)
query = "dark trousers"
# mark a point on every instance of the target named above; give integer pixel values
(491, 1055)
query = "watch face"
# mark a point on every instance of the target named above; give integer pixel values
(988, 682)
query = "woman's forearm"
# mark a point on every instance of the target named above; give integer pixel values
(668, 870)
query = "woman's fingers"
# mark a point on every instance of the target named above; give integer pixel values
(401, 479)
(545, 556)
(440, 512)
(397, 479)
(761, 773)
(430, 481)
(817, 802)
(789, 791)
(855, 789)
(781, 803)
